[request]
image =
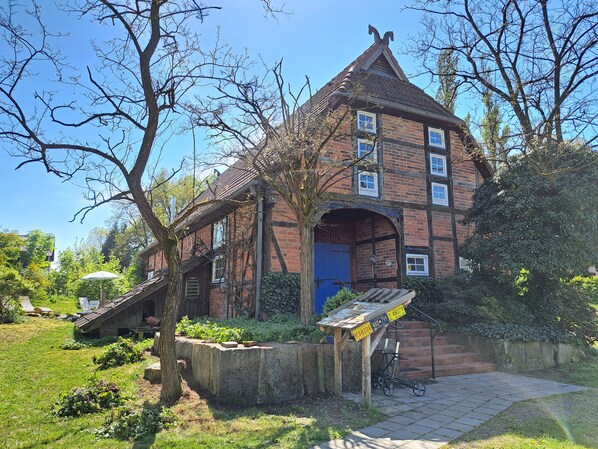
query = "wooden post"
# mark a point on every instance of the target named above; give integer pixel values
(338, 362)
(366, 371)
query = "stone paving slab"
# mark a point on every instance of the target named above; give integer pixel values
(450, 408)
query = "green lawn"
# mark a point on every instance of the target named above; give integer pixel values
(34, 371)
(567, 421)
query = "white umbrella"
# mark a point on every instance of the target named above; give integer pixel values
(100, 276)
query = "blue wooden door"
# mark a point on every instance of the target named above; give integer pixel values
(332, 267)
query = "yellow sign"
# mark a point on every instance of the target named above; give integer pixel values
(396, 313)
(362, 331)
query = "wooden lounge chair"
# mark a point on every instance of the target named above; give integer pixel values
(33, 311)
(26, 304)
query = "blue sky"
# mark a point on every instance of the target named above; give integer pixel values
(318, 39)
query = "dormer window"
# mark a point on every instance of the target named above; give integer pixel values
(219, 233)
(438, 165)
(366, 150)
(366, 122)
(436, 137)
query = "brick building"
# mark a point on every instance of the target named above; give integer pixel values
(399, 218)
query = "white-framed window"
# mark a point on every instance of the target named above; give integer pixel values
(417, 264)
(219, 233)
(150, 274)
(366, 121)
(438, 165)
(465, 264)
(366, 150)
(367, 183)
(440, 194)
(218, 268)
(436, 137)
(192, 288)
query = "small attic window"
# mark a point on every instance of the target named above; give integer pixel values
(436, 137)
(366, 121)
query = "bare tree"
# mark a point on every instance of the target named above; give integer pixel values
(287, 143)
(537, 58)
(124, 108)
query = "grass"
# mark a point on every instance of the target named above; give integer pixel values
(34, 371)
(557, 422)
(59, 304)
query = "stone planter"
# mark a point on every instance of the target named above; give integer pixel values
(268, 373)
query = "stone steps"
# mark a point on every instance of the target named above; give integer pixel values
(450, 359)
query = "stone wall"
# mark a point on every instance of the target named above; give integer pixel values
(269, 373)
(520, 356)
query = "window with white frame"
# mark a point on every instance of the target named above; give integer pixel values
(417, 264)
(366, 121)
(440, 194)
(219, 233)
(192, 288)
(436, 137)
(366, 150)
(218, 268)
(438, 165)
(367, 183)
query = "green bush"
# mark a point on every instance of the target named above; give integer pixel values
(97, 396)
(281, 293)
(341, 297)
(126, 423)
(120, 353)
(464, 299)
(589, 285)
(515, 332)
(278, 328)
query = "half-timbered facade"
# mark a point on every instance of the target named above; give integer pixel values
(398, 218)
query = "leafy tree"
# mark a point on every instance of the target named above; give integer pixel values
(10, 249)
(447, 64)
(12, 284)
(37, 247)
(539, 216)
(495, 136)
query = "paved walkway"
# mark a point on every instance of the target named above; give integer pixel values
(449, 409)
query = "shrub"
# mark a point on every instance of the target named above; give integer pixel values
(341, 297)
(120, 353)
(98, 395)
(73, 345)
(463, 299)
(576, 316)
(10, 311)
(516, 332)
(126, 423)
(589, 285)
(278, 328)
(280, 293)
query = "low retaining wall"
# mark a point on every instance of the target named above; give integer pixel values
(519, 356)
(269, 373)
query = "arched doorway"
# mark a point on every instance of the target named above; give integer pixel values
(357, 248)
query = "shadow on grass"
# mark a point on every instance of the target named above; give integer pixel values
(297, 424)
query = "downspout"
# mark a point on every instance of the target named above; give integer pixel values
(260, 256)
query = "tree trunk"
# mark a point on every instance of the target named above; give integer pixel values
(307, 272)
(171, 380)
